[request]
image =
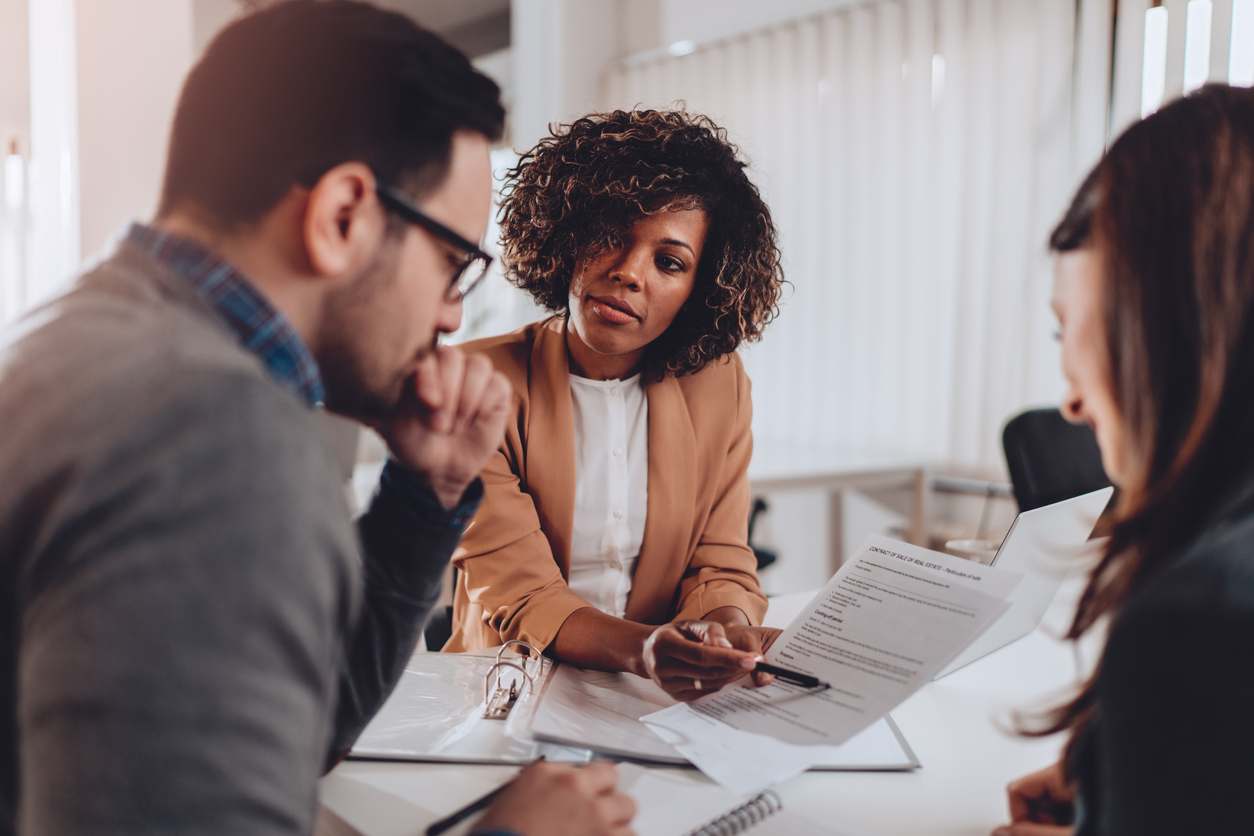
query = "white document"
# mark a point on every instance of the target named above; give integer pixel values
(892, 617)
(601, 711)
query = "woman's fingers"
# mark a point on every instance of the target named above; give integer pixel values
(1027, 828)
(679, 659)
(707, 632)
(679, 646)
(1041, 804)
(755, 640)
(1043, 797)
(769, 635)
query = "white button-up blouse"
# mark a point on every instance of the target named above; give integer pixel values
(611, 488)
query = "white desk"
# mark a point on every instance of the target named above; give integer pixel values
(953, 727)
(950, 725)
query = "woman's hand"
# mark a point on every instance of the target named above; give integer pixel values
(1041, 804)
(742, 635)
(756, 640)
(689, 659)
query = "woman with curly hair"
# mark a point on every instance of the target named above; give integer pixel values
(613, 531)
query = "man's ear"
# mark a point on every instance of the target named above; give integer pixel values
(344, 221)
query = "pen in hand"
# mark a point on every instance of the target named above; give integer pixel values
(802, 679)
(478, 805)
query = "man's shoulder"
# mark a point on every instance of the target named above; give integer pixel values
(121, 358)
(125, 311)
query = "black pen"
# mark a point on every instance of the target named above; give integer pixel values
(451, 821)
(802, 679)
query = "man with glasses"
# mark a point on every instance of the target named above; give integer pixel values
(191, 627)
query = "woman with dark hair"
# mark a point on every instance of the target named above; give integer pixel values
(1154, 292)
(613, 531)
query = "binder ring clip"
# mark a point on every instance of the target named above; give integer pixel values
(511, 643)
(499, 698)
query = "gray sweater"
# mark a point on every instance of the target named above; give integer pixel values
(190, 624)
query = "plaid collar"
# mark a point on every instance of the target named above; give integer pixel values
(262, 329)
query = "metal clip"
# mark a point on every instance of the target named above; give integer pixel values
(499, 698)
(502, 699)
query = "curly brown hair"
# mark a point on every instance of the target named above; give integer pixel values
(582, 188)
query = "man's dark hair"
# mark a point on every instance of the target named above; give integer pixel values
(285, 94)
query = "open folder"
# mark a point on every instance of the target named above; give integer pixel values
(436, 714)
(602, 710)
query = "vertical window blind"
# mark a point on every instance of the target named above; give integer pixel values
(915, 154)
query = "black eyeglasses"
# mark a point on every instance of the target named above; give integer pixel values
(476, 262)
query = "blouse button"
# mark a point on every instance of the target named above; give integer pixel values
(618, 512)
(614, 391)
(618, 451)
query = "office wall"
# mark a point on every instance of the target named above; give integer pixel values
(563, 49)
(915, 155)
(132, 56)
(14, 75)
(706, 20)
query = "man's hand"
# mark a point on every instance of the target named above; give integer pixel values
(689, 659)
(554, 799)
(450, 421)
(1041, 804)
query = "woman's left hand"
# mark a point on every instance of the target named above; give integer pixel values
(755, 640)
(738, 633)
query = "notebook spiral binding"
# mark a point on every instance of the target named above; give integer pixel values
(739, 819)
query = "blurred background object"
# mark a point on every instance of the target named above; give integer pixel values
(1050, 459)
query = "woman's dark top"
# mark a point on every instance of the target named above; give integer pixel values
(1171, 748)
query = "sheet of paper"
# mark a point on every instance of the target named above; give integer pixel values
(887, 621)
(602, 710)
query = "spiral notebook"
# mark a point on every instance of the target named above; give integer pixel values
(669, 802)
(684, 804)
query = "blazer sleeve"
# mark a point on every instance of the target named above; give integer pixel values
(723, 569)
(510, 572)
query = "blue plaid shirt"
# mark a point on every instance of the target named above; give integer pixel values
(268, 334)
(263, 329)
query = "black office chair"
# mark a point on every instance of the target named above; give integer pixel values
(439, 626)
(1050, 459)
(765, 558)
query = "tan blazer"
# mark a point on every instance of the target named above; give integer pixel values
(515, 556)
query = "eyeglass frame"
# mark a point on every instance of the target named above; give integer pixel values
(396, 202)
